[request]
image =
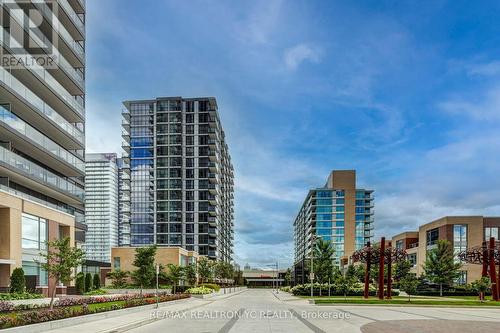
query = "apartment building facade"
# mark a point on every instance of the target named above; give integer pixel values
(339, 213)
(42, 139)
(101, 206)
(463, 232)
(176, 185)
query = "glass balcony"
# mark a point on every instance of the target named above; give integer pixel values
(72, 15)
(23, 166)
(38, 103)
(45, 76)
(61, 30)
(34, 135)
(72, 72)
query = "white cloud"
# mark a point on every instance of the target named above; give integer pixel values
(487, 107)
(296, 55)
(485, 69)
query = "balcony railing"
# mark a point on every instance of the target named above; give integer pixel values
(45, 76)
(18, 125)
(72, 15)
(22, 165)
(59, 27)
(76, 75)
(37, 102)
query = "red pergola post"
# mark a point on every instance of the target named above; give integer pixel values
(389, 272)
(493, 273)
(366, 293)
(381, 270)
(485, 260)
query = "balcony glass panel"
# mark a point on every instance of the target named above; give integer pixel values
(20, 126)
(43, 107)
(23, 165)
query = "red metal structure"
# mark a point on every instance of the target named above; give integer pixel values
(381, 264)
(487, 255)
(384, 256)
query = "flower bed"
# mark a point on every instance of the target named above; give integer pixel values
(13, 316)
(199, 291)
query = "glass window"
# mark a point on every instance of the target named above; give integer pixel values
(324, 194)
(432, 236)
(490, 232)
(116, 263)
(324, 232)
(459, 238)
(34, 232)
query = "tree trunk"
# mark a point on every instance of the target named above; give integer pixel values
(441, 290)
(140, 293)
(53, 296)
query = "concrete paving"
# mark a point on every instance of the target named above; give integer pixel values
(261, 310)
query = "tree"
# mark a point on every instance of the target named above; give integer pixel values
(205, 269)
(238, 277)
(409, 284)
(144, 260)
(323, 261)
(190, 274)
(360, 272)
(97, 281)
(218, 269)
(88, 282)
(402, 269)
(345, 284)
(60, 260)
(440, 266)
(351, 272)
(80, 283)
(288, 277)
(118, 278)
(482, 286)
(17, 281)
(175, 275)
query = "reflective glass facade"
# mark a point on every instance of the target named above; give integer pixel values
(177, 176)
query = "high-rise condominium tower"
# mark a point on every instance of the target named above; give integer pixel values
(101, 206)
(338, 213)
(42, 140)
(177, 184)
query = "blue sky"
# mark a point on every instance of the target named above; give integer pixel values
(405, 92)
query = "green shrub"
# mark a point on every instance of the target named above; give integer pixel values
(80, 283)
(97, 281)
(285, 289)
(199, 291)
(16, 296)
(213, 286)
(335, 290)
(17, 281)
(96, 292)
(88, 282)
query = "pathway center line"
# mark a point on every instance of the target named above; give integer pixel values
(227, 326)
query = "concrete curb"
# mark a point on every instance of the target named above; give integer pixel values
(67, 322)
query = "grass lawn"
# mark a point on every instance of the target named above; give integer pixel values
(404, 301)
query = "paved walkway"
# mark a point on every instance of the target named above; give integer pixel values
(260, 310)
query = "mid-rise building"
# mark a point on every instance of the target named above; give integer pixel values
(177, 178)
(101, 206)
(338, 213)
(42, 139)
(463, 232)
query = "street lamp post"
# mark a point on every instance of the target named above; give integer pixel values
(157, 274)
(311, 275)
